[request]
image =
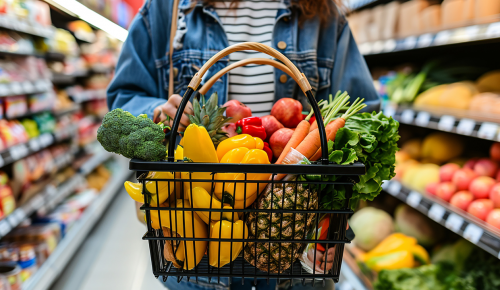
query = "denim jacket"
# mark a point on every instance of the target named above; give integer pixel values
(326, 53)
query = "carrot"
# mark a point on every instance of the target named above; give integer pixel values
(333, 126)
(297, 137)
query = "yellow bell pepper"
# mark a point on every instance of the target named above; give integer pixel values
(393, 243)
(420, 255)
(179, 153)
(135, 189)
(198, 147)
(201, 199)
(392, 261)
(229, 251)
(182, 224)
(237, 191)
(233, 156)
(242, 140)
(259, 144)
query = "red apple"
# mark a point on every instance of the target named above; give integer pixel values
(495, 195)
(470, 163)
(279, 139)
(288, 111)
(463, 177)
(495, 151)
(486, 167)
(431, 188)
(462, 199)
(481, 186)
(446, 171)
(480, 208)
(445, 190)
(237, 110)
(230, 129)
(271, 124)
(498, 176)
(493, 218)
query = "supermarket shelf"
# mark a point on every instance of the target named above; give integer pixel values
(88, 95)
(34, 145)
(478, 125)
(62, 79)
(55, 56)
(20, 52)
(66, 111)
(35, 29)
(56, 262)
(360, 4)
(99, 158)
(25, 88)
(469, 34)
(37, 202)
(349, 280)
(471, 228)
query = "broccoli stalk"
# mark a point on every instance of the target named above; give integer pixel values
(122, 133)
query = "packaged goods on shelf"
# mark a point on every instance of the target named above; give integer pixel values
(15, 106)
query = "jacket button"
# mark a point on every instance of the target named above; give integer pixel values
(286, 19)
(283, 78)
(176, 72)
(281, 45)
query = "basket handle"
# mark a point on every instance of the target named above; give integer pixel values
(300, 77)
(208, 85)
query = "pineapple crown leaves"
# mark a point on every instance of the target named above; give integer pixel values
(209, 115)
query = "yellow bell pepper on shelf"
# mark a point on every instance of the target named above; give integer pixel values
(392, 261)
(242, 140)
(201, 199)
(229, 251)
(198, 147)
(393, 243)
(135, 189)
(182, 224)
(234, 193)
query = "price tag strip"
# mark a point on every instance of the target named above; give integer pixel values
(473, 233)
(394, 188)
(446, 123)
(407, 116)
(487, 131)
(414, 199)
(436, 212)
(466, 127)
(423, 119)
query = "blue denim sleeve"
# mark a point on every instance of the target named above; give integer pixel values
(351, 74)
(134, 87)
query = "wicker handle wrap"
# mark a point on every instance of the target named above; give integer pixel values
(295, 73)
(208, 85)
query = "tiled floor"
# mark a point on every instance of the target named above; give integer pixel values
(114, 256)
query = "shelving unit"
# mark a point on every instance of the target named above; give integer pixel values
(465, 123)
(56, 262)
(25, 27)
(24, 88)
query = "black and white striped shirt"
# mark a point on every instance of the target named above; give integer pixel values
(250, 20)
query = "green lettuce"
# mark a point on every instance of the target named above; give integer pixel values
(370, 139)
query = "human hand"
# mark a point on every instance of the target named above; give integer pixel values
(166, 112)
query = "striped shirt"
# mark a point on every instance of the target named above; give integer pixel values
(250, 20)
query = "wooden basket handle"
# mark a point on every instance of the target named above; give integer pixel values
(301, 78)
(208, 85)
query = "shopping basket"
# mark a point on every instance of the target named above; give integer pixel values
(275, 234)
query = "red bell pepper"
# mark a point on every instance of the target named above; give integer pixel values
(269, 152)
(251, 126)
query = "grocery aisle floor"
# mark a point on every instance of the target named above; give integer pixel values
(114, 256)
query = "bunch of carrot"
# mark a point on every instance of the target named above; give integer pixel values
(306, 139)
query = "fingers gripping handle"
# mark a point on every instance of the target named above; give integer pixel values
(296, 74)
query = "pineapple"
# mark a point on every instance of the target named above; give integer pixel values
(265, 256)
(209, 115)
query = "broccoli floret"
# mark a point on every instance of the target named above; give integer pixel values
(122, 133)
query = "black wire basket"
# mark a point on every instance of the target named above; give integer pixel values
(259, 236)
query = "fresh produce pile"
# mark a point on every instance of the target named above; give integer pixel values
(472, 185)
(230, 134)
(407, 252)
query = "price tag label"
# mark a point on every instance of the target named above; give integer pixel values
(454, 222)
(414, 199)
(446, 123)
(389, 111)
(20, 215)
(442, 37)
(466, 126)
(365, 48)
(16, 88)
(385, 184)
(2, 162)
(40, 86)
(410, 42)
(28, 87)
(36, 202)
(390, 45)
(424, 40)
(407, 116)
(12, 219)
(378, 47)
(487, 131)
(46, 139)
(493, 30)
(4, 227)
(423, 119)
(394, 188)
(473, 233)
(436, 212)
(51, 190)
(34, 144)
(19, 151)
(4, 90)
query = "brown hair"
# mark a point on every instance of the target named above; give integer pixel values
(324, 9)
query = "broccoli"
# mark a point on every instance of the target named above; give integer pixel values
(122, 133)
